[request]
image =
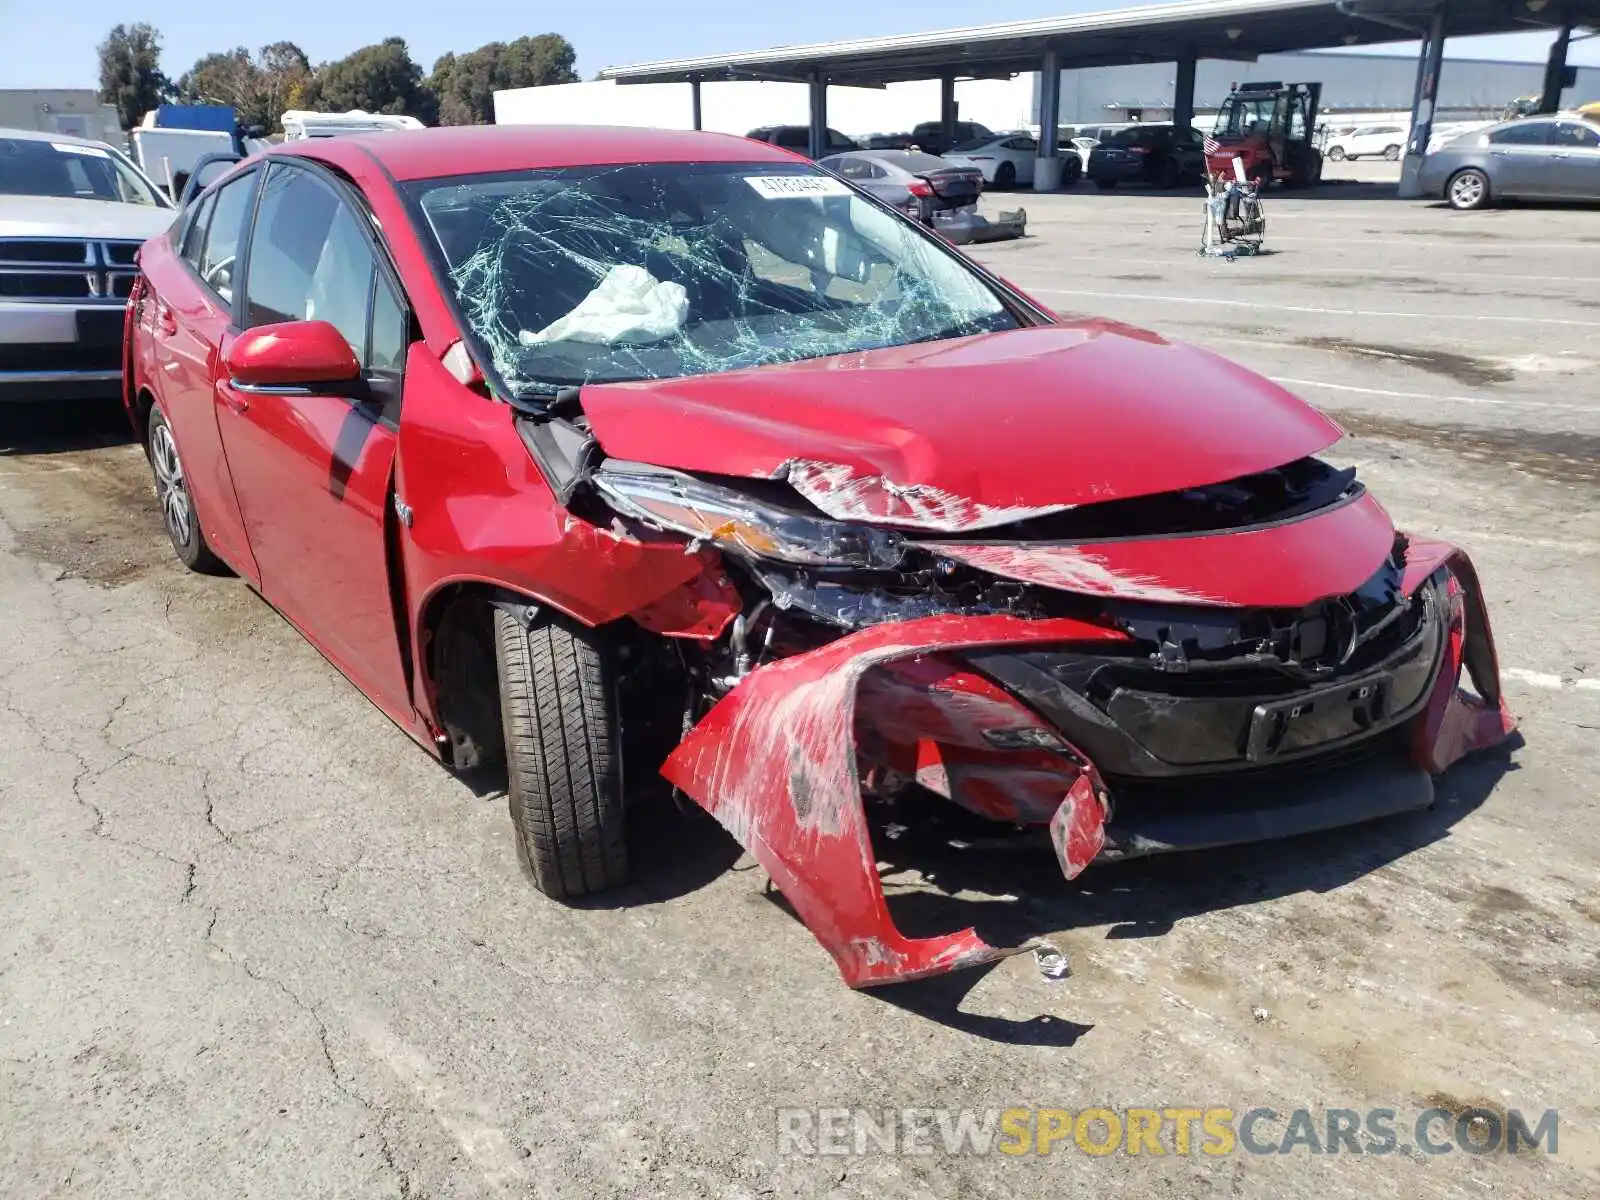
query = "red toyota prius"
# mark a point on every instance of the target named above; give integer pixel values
(589, 452)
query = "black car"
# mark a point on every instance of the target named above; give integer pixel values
(929, 137)
(798, 139)
(1158, 155)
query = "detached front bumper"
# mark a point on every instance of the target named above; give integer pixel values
(776, 760)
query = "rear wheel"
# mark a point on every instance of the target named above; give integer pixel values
(558, 706)
(1005, 175)
(1467, 189)
(177, 505)
(1392, 153)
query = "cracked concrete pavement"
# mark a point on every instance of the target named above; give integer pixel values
(258, 944)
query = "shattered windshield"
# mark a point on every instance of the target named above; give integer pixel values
(604, 274)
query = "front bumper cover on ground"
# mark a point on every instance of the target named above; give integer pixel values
(776, 763)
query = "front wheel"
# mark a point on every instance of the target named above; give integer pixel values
(1336, 154)
(177, 504)
(558, 707)
(1467, 189)
(1391, 153)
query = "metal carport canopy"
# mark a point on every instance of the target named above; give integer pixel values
(1225, 29)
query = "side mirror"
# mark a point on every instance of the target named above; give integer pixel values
(293, 354)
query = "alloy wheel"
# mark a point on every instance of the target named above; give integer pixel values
(171, 488)
(1466, 191)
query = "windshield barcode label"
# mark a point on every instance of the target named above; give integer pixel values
(787, 187)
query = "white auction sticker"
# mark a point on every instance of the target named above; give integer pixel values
(789, 187)
(86, 151)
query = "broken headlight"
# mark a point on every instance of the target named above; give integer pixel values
(741, 524)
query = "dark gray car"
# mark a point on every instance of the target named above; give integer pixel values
(1534, 158)
(926, 188)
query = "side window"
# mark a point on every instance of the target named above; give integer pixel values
(311, 259)
(194, 234)
(225, 236)
(391, 329)
(1523, 133)
(1577, 135)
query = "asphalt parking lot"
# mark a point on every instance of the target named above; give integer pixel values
(257, 944)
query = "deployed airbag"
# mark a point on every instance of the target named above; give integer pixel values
(629, 305)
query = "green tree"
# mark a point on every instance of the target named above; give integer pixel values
(465, 84)
(259, 87)
(381, 78)
(130, 71)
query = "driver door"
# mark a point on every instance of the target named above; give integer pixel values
(313, 469)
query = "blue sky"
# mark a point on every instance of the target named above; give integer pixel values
(49, 46)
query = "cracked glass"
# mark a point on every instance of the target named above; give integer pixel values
(605, 274)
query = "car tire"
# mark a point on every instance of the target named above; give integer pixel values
(1071, 170)
(1105, 185)
(1467, 189)
(1336, 154)
(177, 504)
(1391, 153)
(1005, 176)
(558, 708)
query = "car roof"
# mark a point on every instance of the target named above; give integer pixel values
(35, 135)
(487, 149)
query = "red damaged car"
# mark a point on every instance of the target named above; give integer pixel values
(574, 448)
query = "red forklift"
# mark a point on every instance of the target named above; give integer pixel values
(1270, 127)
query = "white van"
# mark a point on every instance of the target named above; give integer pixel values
(168, 156)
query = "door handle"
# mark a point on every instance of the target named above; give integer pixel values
(1560, 154)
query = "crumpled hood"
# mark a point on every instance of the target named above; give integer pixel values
(971, 432)
(53, 216)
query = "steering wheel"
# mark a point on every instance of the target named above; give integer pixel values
(216, 269)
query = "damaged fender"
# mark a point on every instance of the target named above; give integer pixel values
(775, 763)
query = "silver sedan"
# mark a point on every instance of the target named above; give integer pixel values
(1534, 158)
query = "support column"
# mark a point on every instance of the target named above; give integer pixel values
(1183, 93)
(694, 101)
(1426, 93)
(1555, 72)
(947, 110)
(819, 115)
(1047, 167)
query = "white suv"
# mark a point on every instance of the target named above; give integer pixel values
(1368, 141)
(73, 214)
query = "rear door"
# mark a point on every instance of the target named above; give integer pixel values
(1520, 158)
(1575, 154)
(192, 312)
(313, 470)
